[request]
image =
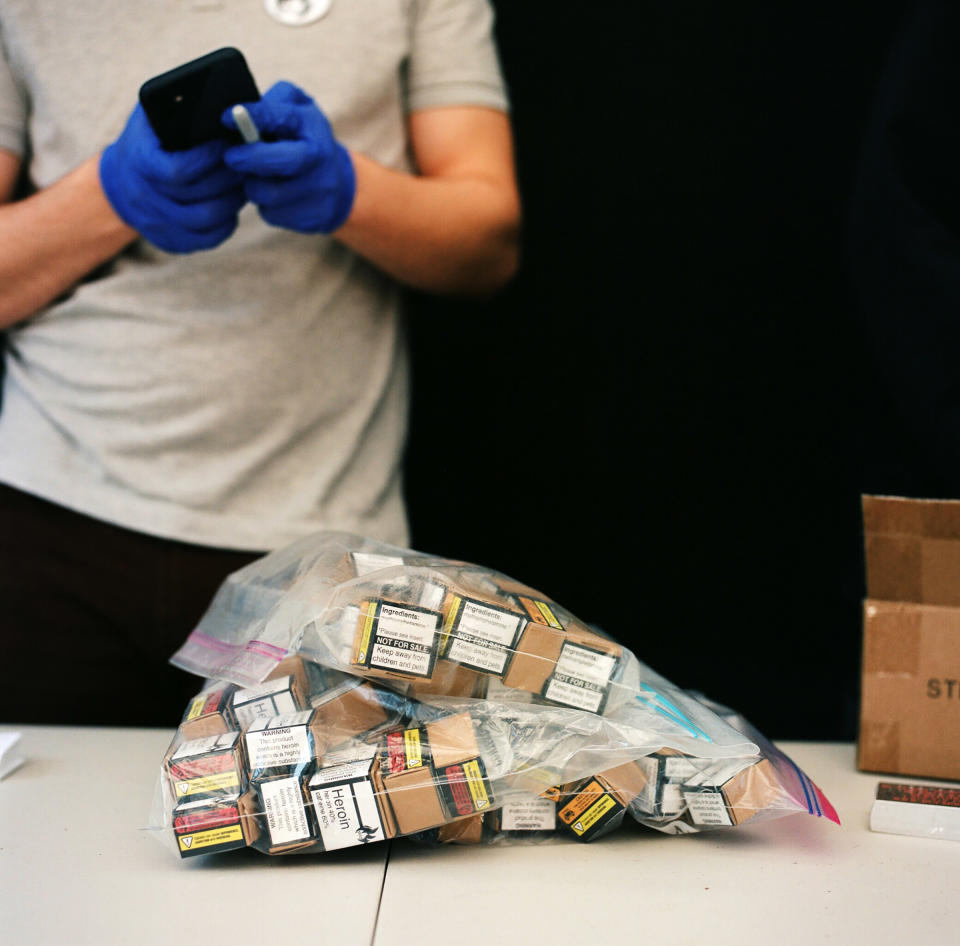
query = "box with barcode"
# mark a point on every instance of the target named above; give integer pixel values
(349, 801)
(584, 671)
(208, 713)
(215, 824)
(207, 766)
(396, 640)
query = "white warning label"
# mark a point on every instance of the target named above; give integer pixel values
(347, 815)
(284, 809)
(529, 814)
(284, 740)
(404, 640)
(483, 636)
(581, 677)
(707, 808)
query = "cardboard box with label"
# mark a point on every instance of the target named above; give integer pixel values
(210, 765)
(594, 806)
(285, 742)
(410, 782)
(480, 635)
(348, 710)
(459, 769)
(396, 640)
(584, 672)
(910, 696)
(208, 713)
(349, 802)
(213, 825)
(283, 812)
(280, 693)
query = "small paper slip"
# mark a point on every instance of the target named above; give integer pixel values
(926, 811)
(10, 759)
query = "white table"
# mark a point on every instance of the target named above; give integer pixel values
(76, 869)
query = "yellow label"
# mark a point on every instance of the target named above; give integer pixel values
(548, 615)
(580, 802)
(475, 783)
(201, 839)
(368, 609)
(208, 783)
(196, 707)
(449, 622)
(592, 815)
(412, 748)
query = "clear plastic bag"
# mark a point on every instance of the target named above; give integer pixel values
(358, 692)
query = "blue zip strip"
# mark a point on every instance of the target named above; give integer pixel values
(803, 785)
(680, 715)
(675, 719)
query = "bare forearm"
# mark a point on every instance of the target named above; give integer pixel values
(51, 240)
(440, 234)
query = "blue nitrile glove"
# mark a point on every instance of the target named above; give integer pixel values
(303, 179)
(180, 201)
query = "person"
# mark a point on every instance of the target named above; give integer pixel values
(205, 355)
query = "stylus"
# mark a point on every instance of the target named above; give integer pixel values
(245, 124)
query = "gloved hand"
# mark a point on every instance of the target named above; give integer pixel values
(303, 179)
(181, 201)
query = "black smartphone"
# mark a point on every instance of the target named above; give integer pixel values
(184, 105)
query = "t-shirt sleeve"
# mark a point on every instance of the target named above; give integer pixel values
(453, 58)
(13, 108)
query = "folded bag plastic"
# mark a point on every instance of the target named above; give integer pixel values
(357, 691)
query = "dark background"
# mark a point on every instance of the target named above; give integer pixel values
(660, 423)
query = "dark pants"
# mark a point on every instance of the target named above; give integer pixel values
(90, 614)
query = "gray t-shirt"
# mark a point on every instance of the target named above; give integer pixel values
(249, 395)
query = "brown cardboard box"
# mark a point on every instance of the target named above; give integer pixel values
(452, 740)
(210, 765)
(755, 788)
(409, 781)
(284, 741)
(348, 710)
(626, 781)
(590, 808)
(349, 802)
(462, 831)
(449, 679)
(215, 824)
(585, 667)
(458, 766)
(910, 695)
(535, 658)
(208, 713)
(480, 633)
(396, 640)
(415, 800)
(283, 809)
(284, 691)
